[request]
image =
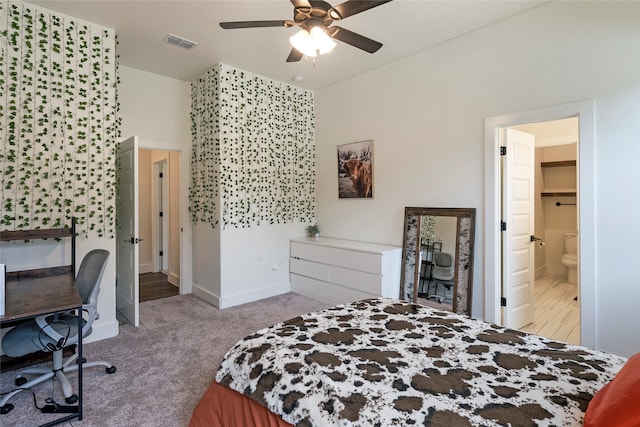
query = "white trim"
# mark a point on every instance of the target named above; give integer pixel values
(174, 279)
(206, 295)
(186, 267)
(241, 297)
(102, 331)
(145, 268)
(254, 295)
(585, 200)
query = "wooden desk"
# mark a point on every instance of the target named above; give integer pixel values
(30, 294)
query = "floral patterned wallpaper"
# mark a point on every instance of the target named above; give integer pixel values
(58, 122)
(253, 154)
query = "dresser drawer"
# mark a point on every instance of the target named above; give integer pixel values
(311, 252)
(363, 261)
(359, 280)
(325, 291)
(340, 271)
(309, 268)
(356, 260)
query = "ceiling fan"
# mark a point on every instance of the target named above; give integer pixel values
(315, 17)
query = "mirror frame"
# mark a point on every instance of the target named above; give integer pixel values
(465, 238)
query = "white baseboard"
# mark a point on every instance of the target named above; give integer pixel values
(205, 295)
(174, 279)
(241, 297)
(145, 268)
(102, 331)
(254, 295)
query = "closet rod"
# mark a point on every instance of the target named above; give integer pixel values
(565, 204)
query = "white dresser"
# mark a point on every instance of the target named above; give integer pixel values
(340, 271)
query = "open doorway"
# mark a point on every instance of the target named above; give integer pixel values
(178, 271)
(159, 224)
(556, 311)
(585, 200)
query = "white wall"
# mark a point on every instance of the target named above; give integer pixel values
(206, 263)
(253, 265)
(445, 231)
(426, 116)
(156, 108)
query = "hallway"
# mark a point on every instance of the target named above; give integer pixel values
(156, 286)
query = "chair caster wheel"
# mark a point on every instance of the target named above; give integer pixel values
(71, 399)
(8, 407)
(20, 381)
(111, 370)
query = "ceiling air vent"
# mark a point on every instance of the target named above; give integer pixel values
(179, 41)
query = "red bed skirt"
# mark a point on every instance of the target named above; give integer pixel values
(224, 407)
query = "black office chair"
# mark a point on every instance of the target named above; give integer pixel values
(442, 274)
(52, 333)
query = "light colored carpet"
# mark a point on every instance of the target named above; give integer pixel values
(163, 367)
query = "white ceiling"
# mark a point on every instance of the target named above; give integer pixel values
(554, 132)
(403, 26)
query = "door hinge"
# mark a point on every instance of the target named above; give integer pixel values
(503, 151)
(161, 253)
(503, 302)
(503, 226)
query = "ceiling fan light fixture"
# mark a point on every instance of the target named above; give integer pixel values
(312, 43)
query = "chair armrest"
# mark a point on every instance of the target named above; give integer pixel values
(92, 315)
(44, 325)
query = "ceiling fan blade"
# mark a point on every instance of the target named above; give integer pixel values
(294, 55)
(252, 24)
(302, 5)
(354, 39)
(352, 7)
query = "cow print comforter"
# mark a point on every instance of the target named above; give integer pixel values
(383, 362)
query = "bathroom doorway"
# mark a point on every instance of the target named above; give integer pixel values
(556, 310)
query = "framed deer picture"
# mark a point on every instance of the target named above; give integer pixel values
(355, 170)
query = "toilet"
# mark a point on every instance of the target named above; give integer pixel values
(570, 257)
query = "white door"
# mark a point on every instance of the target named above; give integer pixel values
(518, 214)
(127, 286)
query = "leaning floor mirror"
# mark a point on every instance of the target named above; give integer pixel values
(437, 257)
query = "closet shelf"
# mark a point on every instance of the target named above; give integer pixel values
(558, 164)
(559, 194)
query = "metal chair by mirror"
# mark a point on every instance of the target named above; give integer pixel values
(442, 274)
(419, 225)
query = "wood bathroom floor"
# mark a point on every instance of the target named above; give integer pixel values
(557, 314)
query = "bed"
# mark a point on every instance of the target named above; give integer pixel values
(384, 362)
